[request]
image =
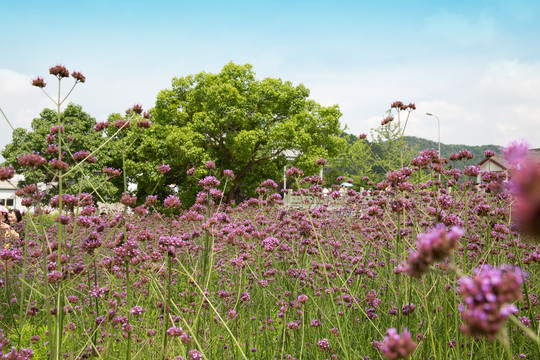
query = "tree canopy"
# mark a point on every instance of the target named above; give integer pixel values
(237, 121)
(78, 136)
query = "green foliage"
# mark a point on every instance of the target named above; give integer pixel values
(239, 122)
(392, 151)
(78, 135)
(355, 161)
(448, 149)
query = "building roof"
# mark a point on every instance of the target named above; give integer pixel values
(9, 185)
(501, 162)
(497, 160)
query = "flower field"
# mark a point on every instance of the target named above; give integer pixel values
(426, 264)
(263, 281)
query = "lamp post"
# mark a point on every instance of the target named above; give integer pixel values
(439, 130)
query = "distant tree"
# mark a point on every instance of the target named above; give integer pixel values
(355, 161)
(390, 149)
(79, 136)
(241, 123)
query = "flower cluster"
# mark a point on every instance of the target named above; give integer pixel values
(128, 200)
(432, 246)
(209, 182)
(102, 125)
(112, 172)
(525, 186)
(84, 155)
(32, 159)
(39, 82)
(172, 202)
(294, 172)
(164, 168)
(397, 346)
(488, 297)
(321, 162)
(59, 71)
(57, 164)
(387, 119)
(6, 173)
(78, 76)
(121, 124)
(398, 105)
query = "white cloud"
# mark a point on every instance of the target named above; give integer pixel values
(511, 79)
(477, 103)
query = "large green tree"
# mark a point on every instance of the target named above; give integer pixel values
(238, 121)
(79, 135)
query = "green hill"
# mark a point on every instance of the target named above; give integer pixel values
(448, 149)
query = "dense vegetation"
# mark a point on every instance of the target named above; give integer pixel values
(423, 264)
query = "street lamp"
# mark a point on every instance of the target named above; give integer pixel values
(439, 130)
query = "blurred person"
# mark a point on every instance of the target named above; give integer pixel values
(3, 214)
(9, 227)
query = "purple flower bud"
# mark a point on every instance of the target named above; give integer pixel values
(39, 82)
(78, 76)
(59, 71)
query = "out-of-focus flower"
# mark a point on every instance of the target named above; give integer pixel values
(210, 165)
(488, 297)
(526, 188)
(150, 200)
(362, 136)
(174, 331)
(516, 152)
(111, 172)
(228, 173)
(164, 168)
(144, 124)
(209, 182)
(321, 162)
(57, 164)
(121, 124)
(172, 202)
(195, 355)
(140, 210)
(84, 155)
(128, 200)
(323, 344)
(432, 246)
(53, 130)
(102, 125)
(31, 160)
(294, 172)
(6, 172)
(489, 153)
(52, 149)
(397, 346)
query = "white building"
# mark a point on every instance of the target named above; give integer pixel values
(7, 193)
(498, 164)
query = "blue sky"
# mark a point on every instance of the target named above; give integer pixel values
(474, 64)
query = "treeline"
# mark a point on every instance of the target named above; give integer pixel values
(373, 158)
